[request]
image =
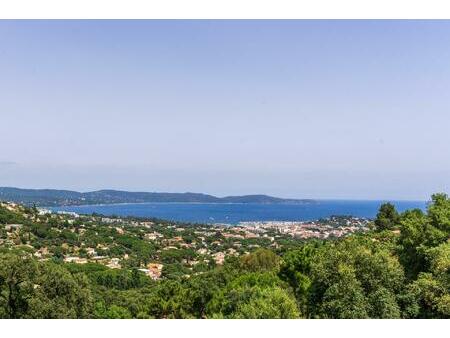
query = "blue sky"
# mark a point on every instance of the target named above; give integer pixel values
(314, 109)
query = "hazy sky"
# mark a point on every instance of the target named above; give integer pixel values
(313, 109)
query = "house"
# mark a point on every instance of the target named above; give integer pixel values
(202, 251)
(232, 252)
(99, 258)
(114, 263)
(237, 236)
(42, 212)
(156, 269)
(193, 262)
(153, 270)
(250, 235)
(44, 250)
(76, 260)
(219, 258)
(152, 236)
(111, 220)
(91, 251)
(13, 227)
(146, 224)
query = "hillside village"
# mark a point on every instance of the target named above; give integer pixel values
(65, 265)
(156, 248)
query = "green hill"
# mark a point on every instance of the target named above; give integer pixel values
(51, 197)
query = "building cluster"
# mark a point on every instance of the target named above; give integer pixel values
(151, 246)
(153, 270)
(322, 229)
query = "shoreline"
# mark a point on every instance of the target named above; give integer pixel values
(313, 202)
(235, 213)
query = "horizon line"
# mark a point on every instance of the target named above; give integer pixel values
(225, 196)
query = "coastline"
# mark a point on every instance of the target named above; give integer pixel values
(311, 202)
(234, 213)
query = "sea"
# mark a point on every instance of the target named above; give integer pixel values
(234, 213)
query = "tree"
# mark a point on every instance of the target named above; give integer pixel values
(428, 296)
(59, 294)
(387, 217)
(254, 295)
(269, 303)
(199, 291)
(113, 312)
(439, 212)
(113, 303)
(348, 275)
(8, 216)
(383, 304)
(174, 271)
(419, 232)
(17, 273)
(295, 269)
(345, 298)
(166, 300)
(260, 260)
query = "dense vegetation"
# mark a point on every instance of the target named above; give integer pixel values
(398, 270)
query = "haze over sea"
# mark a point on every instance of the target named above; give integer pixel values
(234, 213)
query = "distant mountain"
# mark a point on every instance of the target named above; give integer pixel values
(51, 197)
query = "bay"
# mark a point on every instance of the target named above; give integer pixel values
(233, 213)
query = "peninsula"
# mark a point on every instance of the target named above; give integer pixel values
(52, 197)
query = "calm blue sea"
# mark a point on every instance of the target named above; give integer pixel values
(235, 213)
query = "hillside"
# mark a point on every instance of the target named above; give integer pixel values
(90, 266)
(51, 197)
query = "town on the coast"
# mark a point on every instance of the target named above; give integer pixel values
(157, 248)
(69, 265)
